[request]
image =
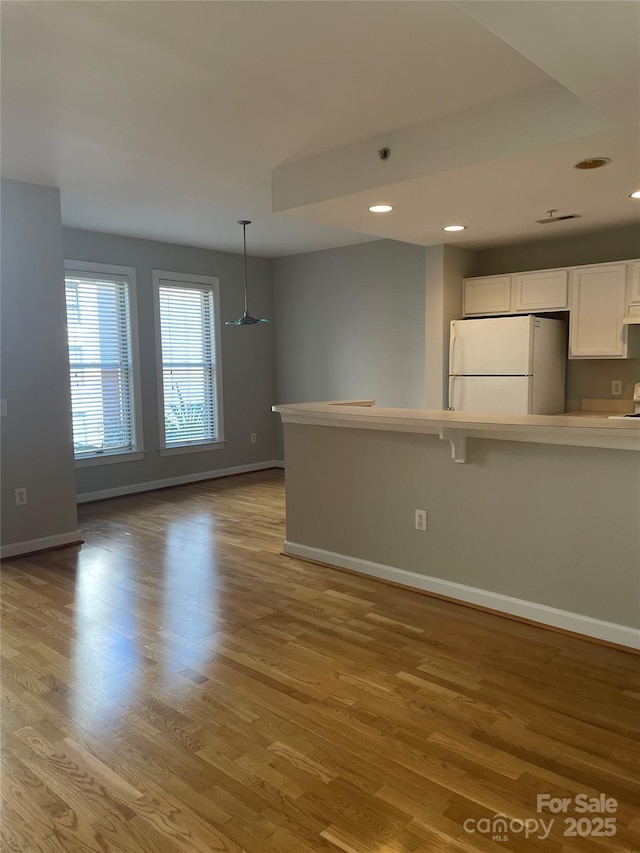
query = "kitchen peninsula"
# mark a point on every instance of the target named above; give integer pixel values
(540, 518)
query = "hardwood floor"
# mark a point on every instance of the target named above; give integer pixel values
(177, 685)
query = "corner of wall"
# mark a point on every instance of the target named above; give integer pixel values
(37, 447)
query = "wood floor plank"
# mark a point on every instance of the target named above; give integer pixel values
(176, 684)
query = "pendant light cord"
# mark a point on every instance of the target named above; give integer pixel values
(244, 239)
(246, 319)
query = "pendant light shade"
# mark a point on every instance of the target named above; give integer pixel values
(246, 319)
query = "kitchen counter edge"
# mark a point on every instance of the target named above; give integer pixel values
(456, 427)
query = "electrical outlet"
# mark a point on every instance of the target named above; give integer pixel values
(253, 438)
(21, 497)
(421, 519)
(616, 388)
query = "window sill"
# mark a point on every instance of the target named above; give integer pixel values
(192, 448)
(109, 459)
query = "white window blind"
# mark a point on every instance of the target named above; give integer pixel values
(100, 361)
(189, 377)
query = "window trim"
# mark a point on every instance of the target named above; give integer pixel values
(205, 282)
(129, 273)
(109, 458)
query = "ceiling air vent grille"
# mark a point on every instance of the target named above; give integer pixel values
(558, 218)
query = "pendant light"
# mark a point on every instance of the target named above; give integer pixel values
(246, 319)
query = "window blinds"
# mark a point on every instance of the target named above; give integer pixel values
(188, 364)
(99, 330)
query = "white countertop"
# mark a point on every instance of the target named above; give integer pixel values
(570, 429)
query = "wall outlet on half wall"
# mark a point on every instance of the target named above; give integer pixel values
(616, 388)
(421, 519)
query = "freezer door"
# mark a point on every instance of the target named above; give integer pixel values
(506, 394)
(497, 346)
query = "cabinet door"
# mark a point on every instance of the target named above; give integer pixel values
(486, 296)
(544, 290)
(635, 283)
(598, 302)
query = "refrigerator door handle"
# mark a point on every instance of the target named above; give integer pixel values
(452, 346)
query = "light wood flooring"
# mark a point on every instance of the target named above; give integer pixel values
(176, 684)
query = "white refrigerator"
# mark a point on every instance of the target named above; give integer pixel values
(510, 365)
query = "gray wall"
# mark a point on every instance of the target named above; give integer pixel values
(37, 451)
(445, 267)
(350, 323)
(610, 244)
(532, 521)
(247, 357)
(592, 378)
(585, 378)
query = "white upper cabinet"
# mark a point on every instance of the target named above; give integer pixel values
(543, 290)
(598, 304)
(603, 301)
(486, 296)
(635, 283)
(520, 293)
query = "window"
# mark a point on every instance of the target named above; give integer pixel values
(187, 318)
(102, 360)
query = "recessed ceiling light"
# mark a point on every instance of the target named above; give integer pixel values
(380, 208)
(636, 194)
(454, 228)
(592, 163)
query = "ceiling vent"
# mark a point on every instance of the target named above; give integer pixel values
(552, 218)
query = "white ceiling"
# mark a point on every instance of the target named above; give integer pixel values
(167, 119)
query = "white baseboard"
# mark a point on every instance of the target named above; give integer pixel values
(566, 620)
(30, 546)
(152, 485)
(278, 463)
